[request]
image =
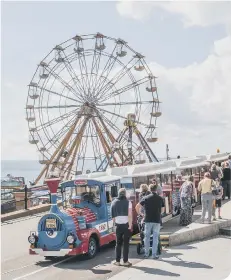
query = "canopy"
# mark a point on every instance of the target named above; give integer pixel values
(191, 162)
(218, 157)
(152, 168)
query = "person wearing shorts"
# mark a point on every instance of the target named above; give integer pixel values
(218, 197)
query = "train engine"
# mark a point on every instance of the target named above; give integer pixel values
(79, 229)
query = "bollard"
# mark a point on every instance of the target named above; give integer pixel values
(26, 198)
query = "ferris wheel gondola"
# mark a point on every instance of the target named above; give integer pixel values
(78, 103)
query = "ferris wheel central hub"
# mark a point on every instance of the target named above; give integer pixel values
(88, 108)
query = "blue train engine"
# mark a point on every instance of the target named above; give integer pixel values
(84, 224)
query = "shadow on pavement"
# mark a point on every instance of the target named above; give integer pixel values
(181, 262)
(187, 264)
(156, 271)
(170, 255)
(100, 271)
(186, 247)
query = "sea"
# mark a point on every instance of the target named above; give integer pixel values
(29, 169)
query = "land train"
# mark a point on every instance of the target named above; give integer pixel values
(84, 223)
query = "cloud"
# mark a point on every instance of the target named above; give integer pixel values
(196, 98)
(197, 102)
(192, 13)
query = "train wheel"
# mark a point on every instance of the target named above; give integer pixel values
(92, 248)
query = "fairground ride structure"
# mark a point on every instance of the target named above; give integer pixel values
(79, 103)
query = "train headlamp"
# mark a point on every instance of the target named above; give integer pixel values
(70, 238)
(32, 239)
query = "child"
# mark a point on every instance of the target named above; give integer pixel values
(218, 193)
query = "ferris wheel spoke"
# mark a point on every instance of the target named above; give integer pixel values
(56, 120)
(110, 123)
(65, 84)
(106, 71)
(56, 93)
(57, 107)
(95, 67)
(124, 89)
(110, 83)
(126, 103)
(122, 137)
(116, 78)
(73, 75)
(83, 71)
(95, 142)
(60, 133)
(117, 115)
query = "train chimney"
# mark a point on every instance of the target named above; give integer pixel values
(53, 184)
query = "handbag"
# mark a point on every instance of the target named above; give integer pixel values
(193, 202)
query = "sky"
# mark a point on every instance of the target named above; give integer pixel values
(187, 45)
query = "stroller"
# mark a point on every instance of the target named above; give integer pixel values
(140, 246)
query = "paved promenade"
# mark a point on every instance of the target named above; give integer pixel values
(209, 258)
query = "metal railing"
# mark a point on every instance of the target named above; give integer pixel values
(24, 198)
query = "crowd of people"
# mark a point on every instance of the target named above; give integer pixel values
(215, 186)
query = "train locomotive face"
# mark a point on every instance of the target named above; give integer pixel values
(51, 233)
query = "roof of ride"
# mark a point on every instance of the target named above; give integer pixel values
(163, 167)
(101, 177)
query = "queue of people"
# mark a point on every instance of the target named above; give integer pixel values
(214, 187)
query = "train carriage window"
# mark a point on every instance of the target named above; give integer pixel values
(114, 191)
(111, 192)
(87, 193)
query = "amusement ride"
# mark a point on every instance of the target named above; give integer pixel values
(92, 103)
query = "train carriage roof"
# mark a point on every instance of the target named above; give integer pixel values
(100, 177)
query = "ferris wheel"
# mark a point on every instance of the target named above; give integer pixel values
(92, 103)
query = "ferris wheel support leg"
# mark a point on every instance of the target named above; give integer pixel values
(111, 137)
(123, 154)
(59, 149)
(64, 143)
(74, 156)
(45, 169)
(76, 143)
(105, 145)
(145, 145)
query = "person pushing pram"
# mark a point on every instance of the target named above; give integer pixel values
(151, 206)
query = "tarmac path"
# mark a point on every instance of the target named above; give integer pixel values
(210, 258)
